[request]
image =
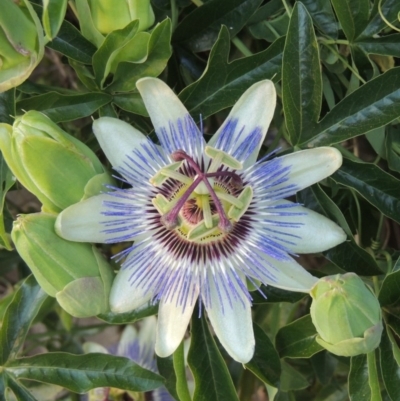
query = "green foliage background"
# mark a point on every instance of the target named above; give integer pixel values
(337, 73)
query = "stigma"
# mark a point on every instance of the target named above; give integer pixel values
(201, 204)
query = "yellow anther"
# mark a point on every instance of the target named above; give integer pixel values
(231, 199)
(169, 172)
(162, 204)
(220, 157)
(246, 196)
(201, 231)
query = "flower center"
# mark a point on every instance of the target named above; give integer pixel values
(201, 205)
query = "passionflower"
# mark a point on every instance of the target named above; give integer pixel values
(137, 345)
(204, 217)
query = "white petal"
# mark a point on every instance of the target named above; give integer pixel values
(118, 139)
(308, 167)
(125, 296)
(173, 125)
(244, 130)
(286, 274)
(232, 323)
(309, 232)
(173, 321)
(128, 337)
(86, 222)
(81, 222)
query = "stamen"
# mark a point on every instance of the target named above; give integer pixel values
(170, 219)
(224, 224)
(205, 204)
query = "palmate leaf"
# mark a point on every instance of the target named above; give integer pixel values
(363, 379)
(297, 339)
(347, 256)
(353, 16)
(378, 187)
(301, 76)
(61, 108)
(374, 105)
(389, 294)
(81, 373)
(390, 365)
(265, 363)
(323, 16)
(200, 28)
(211, 375)
(222, 83)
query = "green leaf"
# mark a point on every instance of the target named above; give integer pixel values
(301, 76)
(21, 392)
(166, 369)
(18, 318)
(158, 53)
(7, 106)
(72, 44)
(180, 370)
(129, 317)
(270, 29)
(348, 256)
(324, 366)
(7, 180)
(378, 187)
(392, 147)
(53, 16)
(353, 16)
(212, 378)
(131, 102)
(323, 16)
(222, 83)
(62, 108)
(389, 293)
(297, 339)
(81, 373)
(265, 363)
(273, 294)
(389, 366)
(359, 389)
(389, 9)
(352, 258)
(387, 45)
(291, 379)
(108, 51)
(375, 104)
(200, 28)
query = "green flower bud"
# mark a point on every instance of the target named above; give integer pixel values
(74, 273)
(346, 314)
(50, 163)
(21, 43)
(100, 17)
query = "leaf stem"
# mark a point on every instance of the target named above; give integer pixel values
(344, 61)
(356, 201)
(241, 47)
(288, 8)
(384, 18)
(174, 14)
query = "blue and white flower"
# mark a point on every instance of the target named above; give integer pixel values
(204, 217)
(137, 345)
